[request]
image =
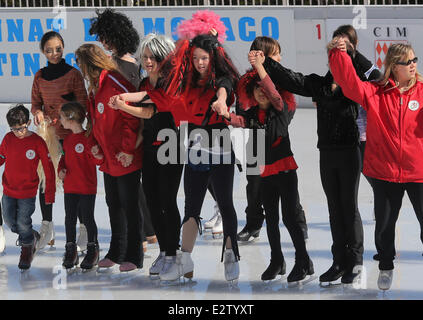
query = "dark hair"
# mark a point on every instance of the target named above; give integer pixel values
(266, 44)
(220, 64)
(116, 30)
(349, 31)
(251, 85)
(17, 115)
(74, 111)
(50, 35)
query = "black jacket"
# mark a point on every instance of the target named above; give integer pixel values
(336, 114)
(276, 126)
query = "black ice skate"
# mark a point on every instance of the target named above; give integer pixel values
(353, 277)
(246, 235)
(91, 258)
(273, 270)
(28, 253)
(331, 276)
(70, 258)
(301, 273)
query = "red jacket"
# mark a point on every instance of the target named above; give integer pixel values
(394, 148)
(80, 165)
(190, 107)
(114, 131)
(20, 177)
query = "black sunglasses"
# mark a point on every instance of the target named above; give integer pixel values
(408, 62)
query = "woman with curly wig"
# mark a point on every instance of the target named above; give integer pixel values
(117, 34)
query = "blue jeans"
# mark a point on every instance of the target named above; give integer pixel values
(17, 215)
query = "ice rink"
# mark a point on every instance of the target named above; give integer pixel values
(44, 281)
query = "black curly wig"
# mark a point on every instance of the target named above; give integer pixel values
(116, 30)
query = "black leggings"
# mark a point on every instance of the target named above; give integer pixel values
(125, 218)
(284, 187)
(84, 204)
(388, 201)
(161, 184)
(221, 178)
(148, 224)
(340, 175)
(254, 210)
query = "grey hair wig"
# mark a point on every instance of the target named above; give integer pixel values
(159, 45)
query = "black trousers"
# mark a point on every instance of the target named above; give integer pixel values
(221, 179)
(148, 229)
(388, 201)
(254, 211)
(125, 218)
(282, 187)
(83, 204)
(362, 150)
(340, 176)
(161, 184)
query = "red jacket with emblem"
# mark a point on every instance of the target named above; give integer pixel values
(394, 148)
(20, 177)
(114, 131)
(80, 165)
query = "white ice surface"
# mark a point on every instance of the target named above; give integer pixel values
(208, 282)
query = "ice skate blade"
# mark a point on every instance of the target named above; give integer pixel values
(217, 235)
(301, 283)
(180, 281)
(154, 276)
(104, 270)
(249, 241)
(330, 284)
(276, 279)
(92, 270)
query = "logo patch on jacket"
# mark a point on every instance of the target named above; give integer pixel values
(79, 148)
(413, 105)
(30, 154)
(100, 107)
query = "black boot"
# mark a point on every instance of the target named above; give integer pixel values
(70, 259)
(302, 268)
(246, 234)
(91, 259)
(334, 273)
(273, 270)
(28, 252)
(352, 275)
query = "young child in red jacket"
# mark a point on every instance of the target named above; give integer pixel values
(21, 150)
(77, 169)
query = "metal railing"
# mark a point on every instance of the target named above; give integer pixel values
(209, 3)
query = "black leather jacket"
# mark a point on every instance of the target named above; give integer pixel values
(336, 114)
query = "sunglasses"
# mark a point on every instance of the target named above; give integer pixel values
(20, 129)
(407, 63)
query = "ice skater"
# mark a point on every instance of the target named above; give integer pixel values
(202, 75)
(114, 135)
(117, 34)
(20, 151)
(393, 157)
(270, 112)
(254, 210)
(77, 169)
(338, 141)
(54, 85)
(161, 181)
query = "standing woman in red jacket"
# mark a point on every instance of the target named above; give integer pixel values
(114, 134)
(394, 148)
(54, 85)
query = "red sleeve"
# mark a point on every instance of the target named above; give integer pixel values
(36, 100)
(271, 93)
(346, 77)
(3, 151)
(162, 100)
(62, 164)
(129, 132)
(48, 171)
